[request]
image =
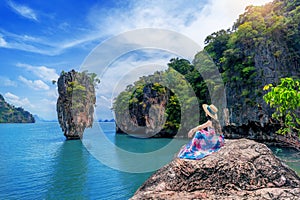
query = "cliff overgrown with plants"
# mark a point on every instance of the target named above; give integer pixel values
(158, 102)
(262, 47)
(76, 101)
(11, 114)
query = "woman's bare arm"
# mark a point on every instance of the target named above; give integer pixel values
(202, 126)
(205, 125)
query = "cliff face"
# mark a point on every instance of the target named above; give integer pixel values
(242, 169)
(11, 114)
(262, 48)
(163, 104)
(75, 104)
(145, 116)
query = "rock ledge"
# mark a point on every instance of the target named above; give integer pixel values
(242, 169)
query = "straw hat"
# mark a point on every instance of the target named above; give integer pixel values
(211, 110)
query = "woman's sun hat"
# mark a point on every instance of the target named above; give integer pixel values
(211, 110)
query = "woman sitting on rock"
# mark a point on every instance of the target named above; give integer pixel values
(207, 139)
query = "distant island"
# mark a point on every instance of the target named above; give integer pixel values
(11, 114)
(106, 120)
(38, 119)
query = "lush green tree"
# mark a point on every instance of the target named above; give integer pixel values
(285, 98)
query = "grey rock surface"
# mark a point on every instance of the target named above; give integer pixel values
(242, 169)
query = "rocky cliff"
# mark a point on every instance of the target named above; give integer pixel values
(261, 48)
(76, 101)
(145, 115)
(242, 169)
(11, 114)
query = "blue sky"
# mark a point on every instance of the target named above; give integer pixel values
(39, 39)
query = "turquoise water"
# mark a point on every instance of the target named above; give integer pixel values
(37, 163)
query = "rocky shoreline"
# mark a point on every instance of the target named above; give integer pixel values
(242, 169)
(264, 133)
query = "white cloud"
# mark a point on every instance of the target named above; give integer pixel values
(43, 72)
(17, 101)
(196, 19)
(45, 108)
(125, 71)
(36, 84)
(3, 43)
(23, 10)
(11, 96)
(52, 94)
(193, 18)
(128, 68)
(217, 15)
(7, 82)
(46, 46)
(29, 43)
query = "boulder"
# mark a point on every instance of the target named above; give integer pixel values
(242, 169)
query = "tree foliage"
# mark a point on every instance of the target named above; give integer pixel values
(274, 25)
(285, 98)
(176, 84)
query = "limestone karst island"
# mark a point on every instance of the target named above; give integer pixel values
(221, 123)
(76, 101)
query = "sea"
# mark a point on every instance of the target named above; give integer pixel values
(38, 163)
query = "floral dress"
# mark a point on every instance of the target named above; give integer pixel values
(203, 143)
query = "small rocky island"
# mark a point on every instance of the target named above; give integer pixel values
(242, 169)
(76, 101)
(11, 114)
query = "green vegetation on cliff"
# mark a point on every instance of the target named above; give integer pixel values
(11, 114)
(262, 47)
(176, 90)
(76, 101)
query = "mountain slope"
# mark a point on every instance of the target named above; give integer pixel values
(11, 114)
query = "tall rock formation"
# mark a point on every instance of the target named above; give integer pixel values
(11, 114)
(242, 169)
(261, 48)
(76, 101)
